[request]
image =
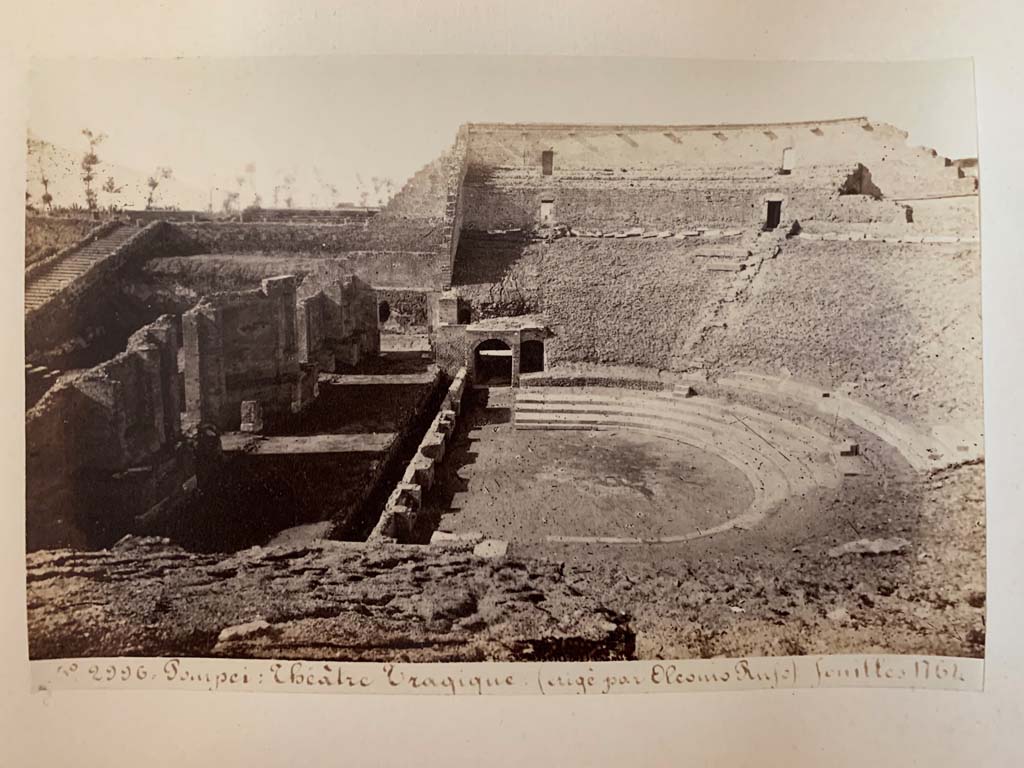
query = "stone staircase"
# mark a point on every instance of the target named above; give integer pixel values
(744, 261)
(43, 284)
(779, 458)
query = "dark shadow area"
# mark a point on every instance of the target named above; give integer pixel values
(388, 363)
(492, 363)
(859, 183)
(484, 258)
(531, 356)
(359, 526)
(345, 409)
(255, 497)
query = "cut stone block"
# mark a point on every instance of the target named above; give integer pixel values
(252, 416)
(491, 548)
(409, 494)
(852, 466)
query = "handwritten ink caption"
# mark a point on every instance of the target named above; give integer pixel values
(524, 678)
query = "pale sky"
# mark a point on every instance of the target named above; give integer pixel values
(388, 116)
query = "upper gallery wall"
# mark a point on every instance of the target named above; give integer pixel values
(607, 176)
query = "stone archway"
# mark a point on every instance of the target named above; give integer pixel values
(492, 363)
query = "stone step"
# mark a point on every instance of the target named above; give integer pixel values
(678, 408)
(787, 447)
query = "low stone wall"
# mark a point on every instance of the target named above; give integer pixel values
(105, 447)
(384, 234)
(400, 518)
(624, 377)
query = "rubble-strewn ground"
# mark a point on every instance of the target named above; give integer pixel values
(771, 590)
(330, 601)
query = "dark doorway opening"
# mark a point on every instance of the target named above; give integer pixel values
(774, 214)
(531, 357)
(492, 363)
(547, 162)
(383, 311)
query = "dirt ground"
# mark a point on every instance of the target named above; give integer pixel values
(773, 589)
(527, 485)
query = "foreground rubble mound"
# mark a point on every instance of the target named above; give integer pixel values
(146, 597)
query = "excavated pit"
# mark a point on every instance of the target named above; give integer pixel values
(322, 474)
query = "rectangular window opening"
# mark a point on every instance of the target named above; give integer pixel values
(547, 161)
(788, 160)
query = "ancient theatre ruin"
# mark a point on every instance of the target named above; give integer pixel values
(576, 392)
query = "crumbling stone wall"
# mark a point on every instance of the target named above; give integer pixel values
(105, 447)
(408, 310)
(337, 322)
(243, 346)
(403, 519)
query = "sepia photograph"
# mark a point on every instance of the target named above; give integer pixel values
(503, 359)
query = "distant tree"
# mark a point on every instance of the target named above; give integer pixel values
(90, 160)
(382, 190)
(331, 190)
(283, 190)
(364, 192)
(47, 198)
(37, 150)
(162, 173)
(250, 173)
(111, 189)
(230, 199)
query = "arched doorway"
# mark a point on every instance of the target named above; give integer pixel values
(531, 356)
(492, 363)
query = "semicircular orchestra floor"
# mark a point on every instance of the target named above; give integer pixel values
(534, 485)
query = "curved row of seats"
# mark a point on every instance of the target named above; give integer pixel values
(924, 450)
(779, 458)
